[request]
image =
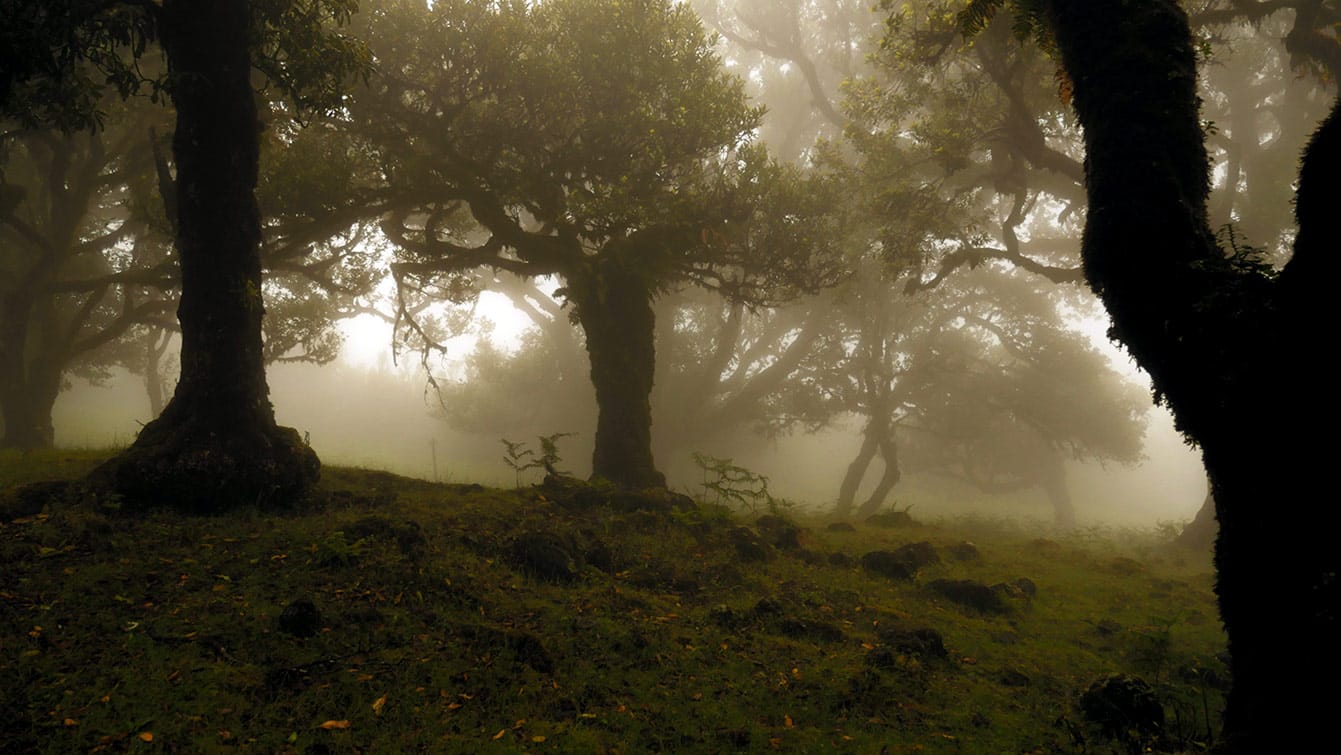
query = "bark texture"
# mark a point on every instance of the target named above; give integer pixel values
(614, 308)
(1230, 346)
(216, 444)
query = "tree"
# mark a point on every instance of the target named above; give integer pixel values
(87, 278)
(982, 378)
(724, 366)
(796, 56)
(77, 271)
(596, 141)
(1227, 338)
(216, 444)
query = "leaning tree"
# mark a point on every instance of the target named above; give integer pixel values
(1230, 341)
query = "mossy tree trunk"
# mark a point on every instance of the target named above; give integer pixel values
(614, 307)
(1233, 349)
(216, 444)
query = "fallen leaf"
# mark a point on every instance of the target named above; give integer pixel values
(787, 721)
(71, 722)
(146, 736)
(538, 738)
(500, 733)
(328, 725)
(378, 704)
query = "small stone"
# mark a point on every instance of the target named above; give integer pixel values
(749, 546)
(964, 551)
(543, 555)
(888, 564)
(300, 619)
(970, 594)
(1120, 704)
(923, 643)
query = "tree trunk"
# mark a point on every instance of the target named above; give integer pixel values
(216, 444)
(1052, 478)
(27, 413)
(889, 452)
(1199, 534)
(28, 389)
(614, 307)
(1233, 350)
(847, 491)
(156, 342)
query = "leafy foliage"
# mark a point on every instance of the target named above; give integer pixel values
(60, 63)
(1028, 20)
(514, 148)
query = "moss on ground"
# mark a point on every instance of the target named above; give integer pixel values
(438, 632)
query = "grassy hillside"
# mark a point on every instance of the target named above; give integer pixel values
(454, 618)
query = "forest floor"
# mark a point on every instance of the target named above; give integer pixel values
(395, 615)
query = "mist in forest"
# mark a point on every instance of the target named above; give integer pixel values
(896, 286)
(379, 415)
(692, 314)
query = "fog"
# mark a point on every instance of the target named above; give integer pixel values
(758, 353)
(365, 411)
(917, 289)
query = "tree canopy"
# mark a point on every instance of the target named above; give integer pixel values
(506, 143)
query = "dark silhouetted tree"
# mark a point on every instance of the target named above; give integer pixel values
(216, 444)
(1229, 341)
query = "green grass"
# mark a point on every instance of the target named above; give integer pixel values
(158, 632)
